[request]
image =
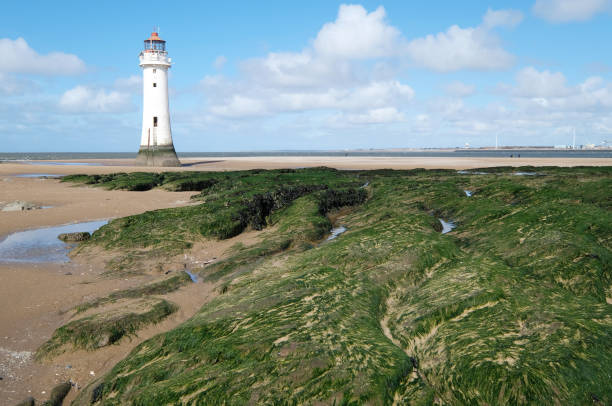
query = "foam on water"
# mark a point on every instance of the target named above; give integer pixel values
(41, 244)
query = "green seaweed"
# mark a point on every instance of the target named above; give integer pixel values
(511, 307)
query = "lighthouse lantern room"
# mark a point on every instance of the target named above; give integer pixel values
(156, 147)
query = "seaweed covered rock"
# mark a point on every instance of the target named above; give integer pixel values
(58, 394)
(75, 237)
(29, 401)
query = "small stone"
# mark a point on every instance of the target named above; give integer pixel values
(68, 273)
(92, 373)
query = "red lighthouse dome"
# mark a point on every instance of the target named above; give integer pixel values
(154, 43)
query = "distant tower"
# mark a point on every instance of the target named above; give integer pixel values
(156, 147)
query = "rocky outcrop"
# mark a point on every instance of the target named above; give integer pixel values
(75, 237)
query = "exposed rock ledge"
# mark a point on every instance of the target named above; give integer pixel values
(75, 237)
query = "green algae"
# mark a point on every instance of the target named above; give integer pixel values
(511, 307)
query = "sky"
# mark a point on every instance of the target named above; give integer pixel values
(315, 75)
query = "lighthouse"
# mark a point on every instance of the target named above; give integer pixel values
(156, 147)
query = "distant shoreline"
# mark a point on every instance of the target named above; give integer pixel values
(504, 152)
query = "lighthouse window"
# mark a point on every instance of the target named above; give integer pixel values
(154, 84)
(154, 121)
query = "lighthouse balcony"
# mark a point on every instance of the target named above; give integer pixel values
(156, 57)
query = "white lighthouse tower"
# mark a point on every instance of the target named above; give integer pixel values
(156, 147)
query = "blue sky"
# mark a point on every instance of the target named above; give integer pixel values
(317, 75)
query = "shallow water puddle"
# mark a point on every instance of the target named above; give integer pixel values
(335, 232)
(42, 244)
(472, 173)
(194, 277)
(60, 163)
(38, 175)
(447, 227)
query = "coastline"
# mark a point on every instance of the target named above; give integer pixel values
(34, 298)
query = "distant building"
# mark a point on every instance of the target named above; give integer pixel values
(156, 147)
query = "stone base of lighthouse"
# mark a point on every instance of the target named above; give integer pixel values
(157, 156)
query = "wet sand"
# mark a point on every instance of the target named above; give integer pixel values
(34, 298)
(276, 162)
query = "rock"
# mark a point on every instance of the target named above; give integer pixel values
(96, 393)
(68, 273)
(437, 226)
(27, 402)
(58, 394)
(75, 237)
(103, 341)
(19, 206)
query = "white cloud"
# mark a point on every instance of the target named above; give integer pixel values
(550, 92)
(130, 84)
(357, 34)
(376, 116)
(83, 99)
(533, 83)
(459, 89)
(569, 10)
(303, 69)
(220, 62)
(459, 48)
(268, 101)
(18, 57)
(343, 93)
(327, 75)
(502, 18)
(12, 85)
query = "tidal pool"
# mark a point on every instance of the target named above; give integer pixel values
(447, 227)
(472, 173)
(59, 163)
(38, 175)
(335, 232)
(41, 244)
(194, 277)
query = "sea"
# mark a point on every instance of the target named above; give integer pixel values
(464, 153)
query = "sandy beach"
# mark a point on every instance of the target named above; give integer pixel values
(34, 298)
